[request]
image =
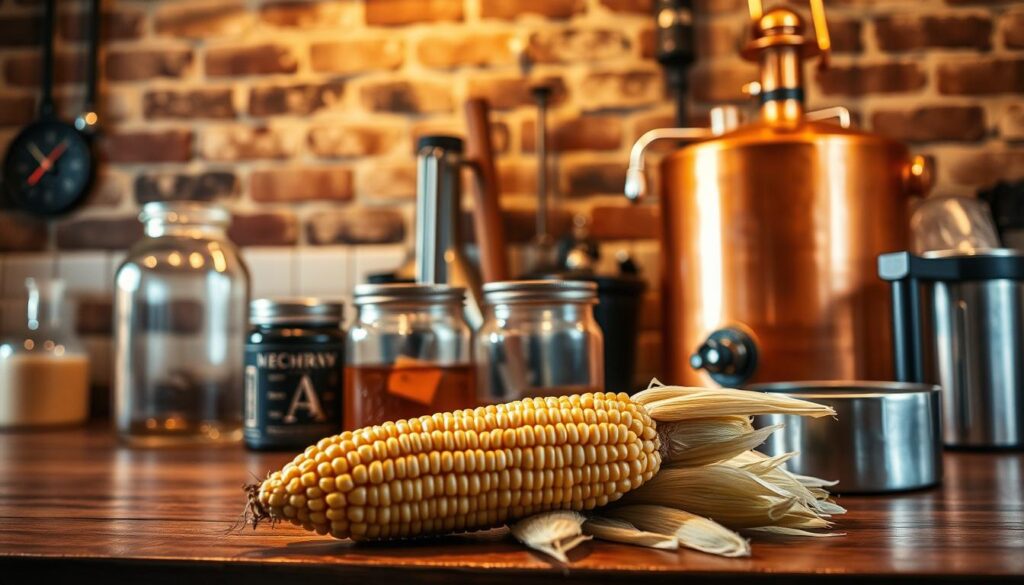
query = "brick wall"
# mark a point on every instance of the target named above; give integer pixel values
(301, 116)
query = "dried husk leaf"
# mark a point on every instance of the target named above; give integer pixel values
(690, 530)
(709, 440)
(553, 533)
(616, 530)
(676, 403)
(769, 469)
(733, 497)
(787, 531)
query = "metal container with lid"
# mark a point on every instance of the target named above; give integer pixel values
(539, 338)
(966, 333)
(294, 372)
(885, 437)
(408, 353)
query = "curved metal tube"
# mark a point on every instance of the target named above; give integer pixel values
(636, 180)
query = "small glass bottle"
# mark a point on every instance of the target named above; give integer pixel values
(180, 313)
(44, 371)
(294, 372)
(408, 354)
(539, 338)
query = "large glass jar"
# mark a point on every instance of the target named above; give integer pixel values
(408, 354)
(539, 338)
(180, 312)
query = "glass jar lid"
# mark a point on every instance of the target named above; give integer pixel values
(540, 291)
(305, 310)
(408, 294)
(185, 212)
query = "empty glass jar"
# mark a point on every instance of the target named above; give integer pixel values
(181, 315)
(539, 338)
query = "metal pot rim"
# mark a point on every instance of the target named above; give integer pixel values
(845, 388)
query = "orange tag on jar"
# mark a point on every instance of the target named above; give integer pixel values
(414, 380)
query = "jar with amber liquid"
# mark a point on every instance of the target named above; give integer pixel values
(408, 354)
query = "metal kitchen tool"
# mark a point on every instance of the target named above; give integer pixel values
(772, 229)
(885, 437)
(440, 257)
(966, 332)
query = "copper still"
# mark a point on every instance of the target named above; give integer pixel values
(772, 229)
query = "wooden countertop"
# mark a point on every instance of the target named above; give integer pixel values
(73, 503)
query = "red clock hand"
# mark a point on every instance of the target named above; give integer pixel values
(47, 163)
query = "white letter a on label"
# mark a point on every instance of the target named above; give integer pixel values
(305, 397)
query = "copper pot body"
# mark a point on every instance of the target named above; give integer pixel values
(777, 230)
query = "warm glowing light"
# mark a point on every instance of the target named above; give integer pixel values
(195, 260)
(29, 344)
(709, 209)
(149, 261)
(174, 259)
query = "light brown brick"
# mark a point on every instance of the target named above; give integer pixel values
(237, 142)
(1011, 122)
(25, 69)
(211, 102)
(357, 56)
(872, 78)
(711, 39)
(594, 178)
(594, 132)
(400, 12)
(507, 92)
(265, 59)
(371, 225)
(295, 99)
(340, 140)
(719, 6)
(625, 222)
(310, 15)
(982, 76)
(147, 146)
(634, 6)
(275, 228)
(20, 232)
(576, 44)
(137, 64)
(846, 35)
(176, 186)
(288, 184)
(109, 233)
(1013, 29)
(620, 89)
(123, 23)
(16, 110)
(109, 188)
(905, 32)
(721, 83)
(983, 168)
(520, 224)
(201, 18)
(517, 178)
(511, 9)
(386, 181)
(448, 51)
(407, 97)
(931, 123)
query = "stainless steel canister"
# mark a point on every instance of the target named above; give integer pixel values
(959, 322)
(885, 437)
(539, 338)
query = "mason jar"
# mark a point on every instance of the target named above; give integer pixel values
(539, 338)
(408, 354)
(180, 312)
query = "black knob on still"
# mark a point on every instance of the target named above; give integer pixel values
(728, 355)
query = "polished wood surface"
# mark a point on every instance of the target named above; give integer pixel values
(73, 503)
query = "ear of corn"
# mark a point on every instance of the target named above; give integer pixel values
(537, 463)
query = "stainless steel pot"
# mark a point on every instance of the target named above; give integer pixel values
(965, 333)
(885, 438)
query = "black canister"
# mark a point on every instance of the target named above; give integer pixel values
(294, 373)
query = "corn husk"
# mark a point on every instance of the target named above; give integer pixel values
(769, 469)
(690, 530)
(553, 533)
(786, 531)
(710, 440)
(731, 496)
(616, 530)
(676, 403)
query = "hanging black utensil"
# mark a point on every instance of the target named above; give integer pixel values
(48, 168)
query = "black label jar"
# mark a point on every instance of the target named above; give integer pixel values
(294, 373)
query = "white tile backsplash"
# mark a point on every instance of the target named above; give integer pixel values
(85, 272)
(374, 259)
(325, 272)
(271, 271)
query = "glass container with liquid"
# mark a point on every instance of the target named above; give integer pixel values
(180, 320)
(408, 354)
(44, 372)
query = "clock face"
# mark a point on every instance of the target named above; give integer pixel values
(48, 168)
